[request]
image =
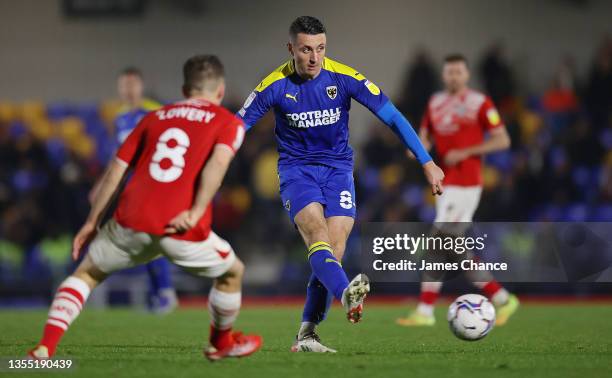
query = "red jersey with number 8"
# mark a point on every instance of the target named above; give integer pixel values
(460, 121)
(167, 151)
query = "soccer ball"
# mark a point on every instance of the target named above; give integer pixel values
(471, 317)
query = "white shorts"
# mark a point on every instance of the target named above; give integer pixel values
(457, 205)
(116, 247)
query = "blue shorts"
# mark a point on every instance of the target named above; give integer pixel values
(334, 188)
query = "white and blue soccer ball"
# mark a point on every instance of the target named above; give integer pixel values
(471, 317)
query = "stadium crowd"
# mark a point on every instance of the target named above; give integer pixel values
(559, 168)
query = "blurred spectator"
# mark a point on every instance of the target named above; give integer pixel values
(420, 83)
(599, 87)
(51, 154)
(561, 96)
(497, 75)
(560, 101)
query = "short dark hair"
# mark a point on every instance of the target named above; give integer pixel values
(455, 58)
(200, 72)
(307, 25)
(131, 70)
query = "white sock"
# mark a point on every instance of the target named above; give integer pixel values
(501, 297)
(224, 308)
(306, 328)
(432, 287)
(68, 302)
(425, 309)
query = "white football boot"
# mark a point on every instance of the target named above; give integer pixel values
(40, 352)
(353, 296)
(310, 342)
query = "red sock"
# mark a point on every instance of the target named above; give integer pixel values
(221, 338)
(491, 288)
(51, 337)
(428, 297)
(66, 306)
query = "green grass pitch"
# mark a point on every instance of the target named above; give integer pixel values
(541, 340)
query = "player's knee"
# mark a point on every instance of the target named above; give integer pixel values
(232, 279)
(234, 273)
(89, 273)
(237, 269)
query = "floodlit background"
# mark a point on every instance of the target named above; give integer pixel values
(546, 64)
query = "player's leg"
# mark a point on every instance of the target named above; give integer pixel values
(67, 304)
(301, 193)
(224, 301)
(339, 228)
(303, 197)
(163, 295)
(328, 276)
(448, 210)
(114, 248)
(325, 266)
(339, 191)
(215, 258)
(318, 298)
(506, 304)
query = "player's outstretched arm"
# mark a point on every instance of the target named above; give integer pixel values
(402, 128)
(424, 137)
(109, 185)
(210, 181)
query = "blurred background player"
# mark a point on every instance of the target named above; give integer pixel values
(134, 106)
(455, 122)
(179, 156)
(311, 96)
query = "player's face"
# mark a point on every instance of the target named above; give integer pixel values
(308, 52)
(455, 76)
(130, 88)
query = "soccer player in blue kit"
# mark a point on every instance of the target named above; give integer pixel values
(130, 88)
(311, 96)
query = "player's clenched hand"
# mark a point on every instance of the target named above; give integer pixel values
(183, 222)
(434, 176)
(453, 157)
(82, 238)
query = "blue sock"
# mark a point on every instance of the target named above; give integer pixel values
(327, 268)
(159, 275)
(318, 300)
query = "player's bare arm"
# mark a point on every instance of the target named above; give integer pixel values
(498, 140)
(210, 181)
(108, 188)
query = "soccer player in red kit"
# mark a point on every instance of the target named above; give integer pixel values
(179, 155)
(456, 121)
